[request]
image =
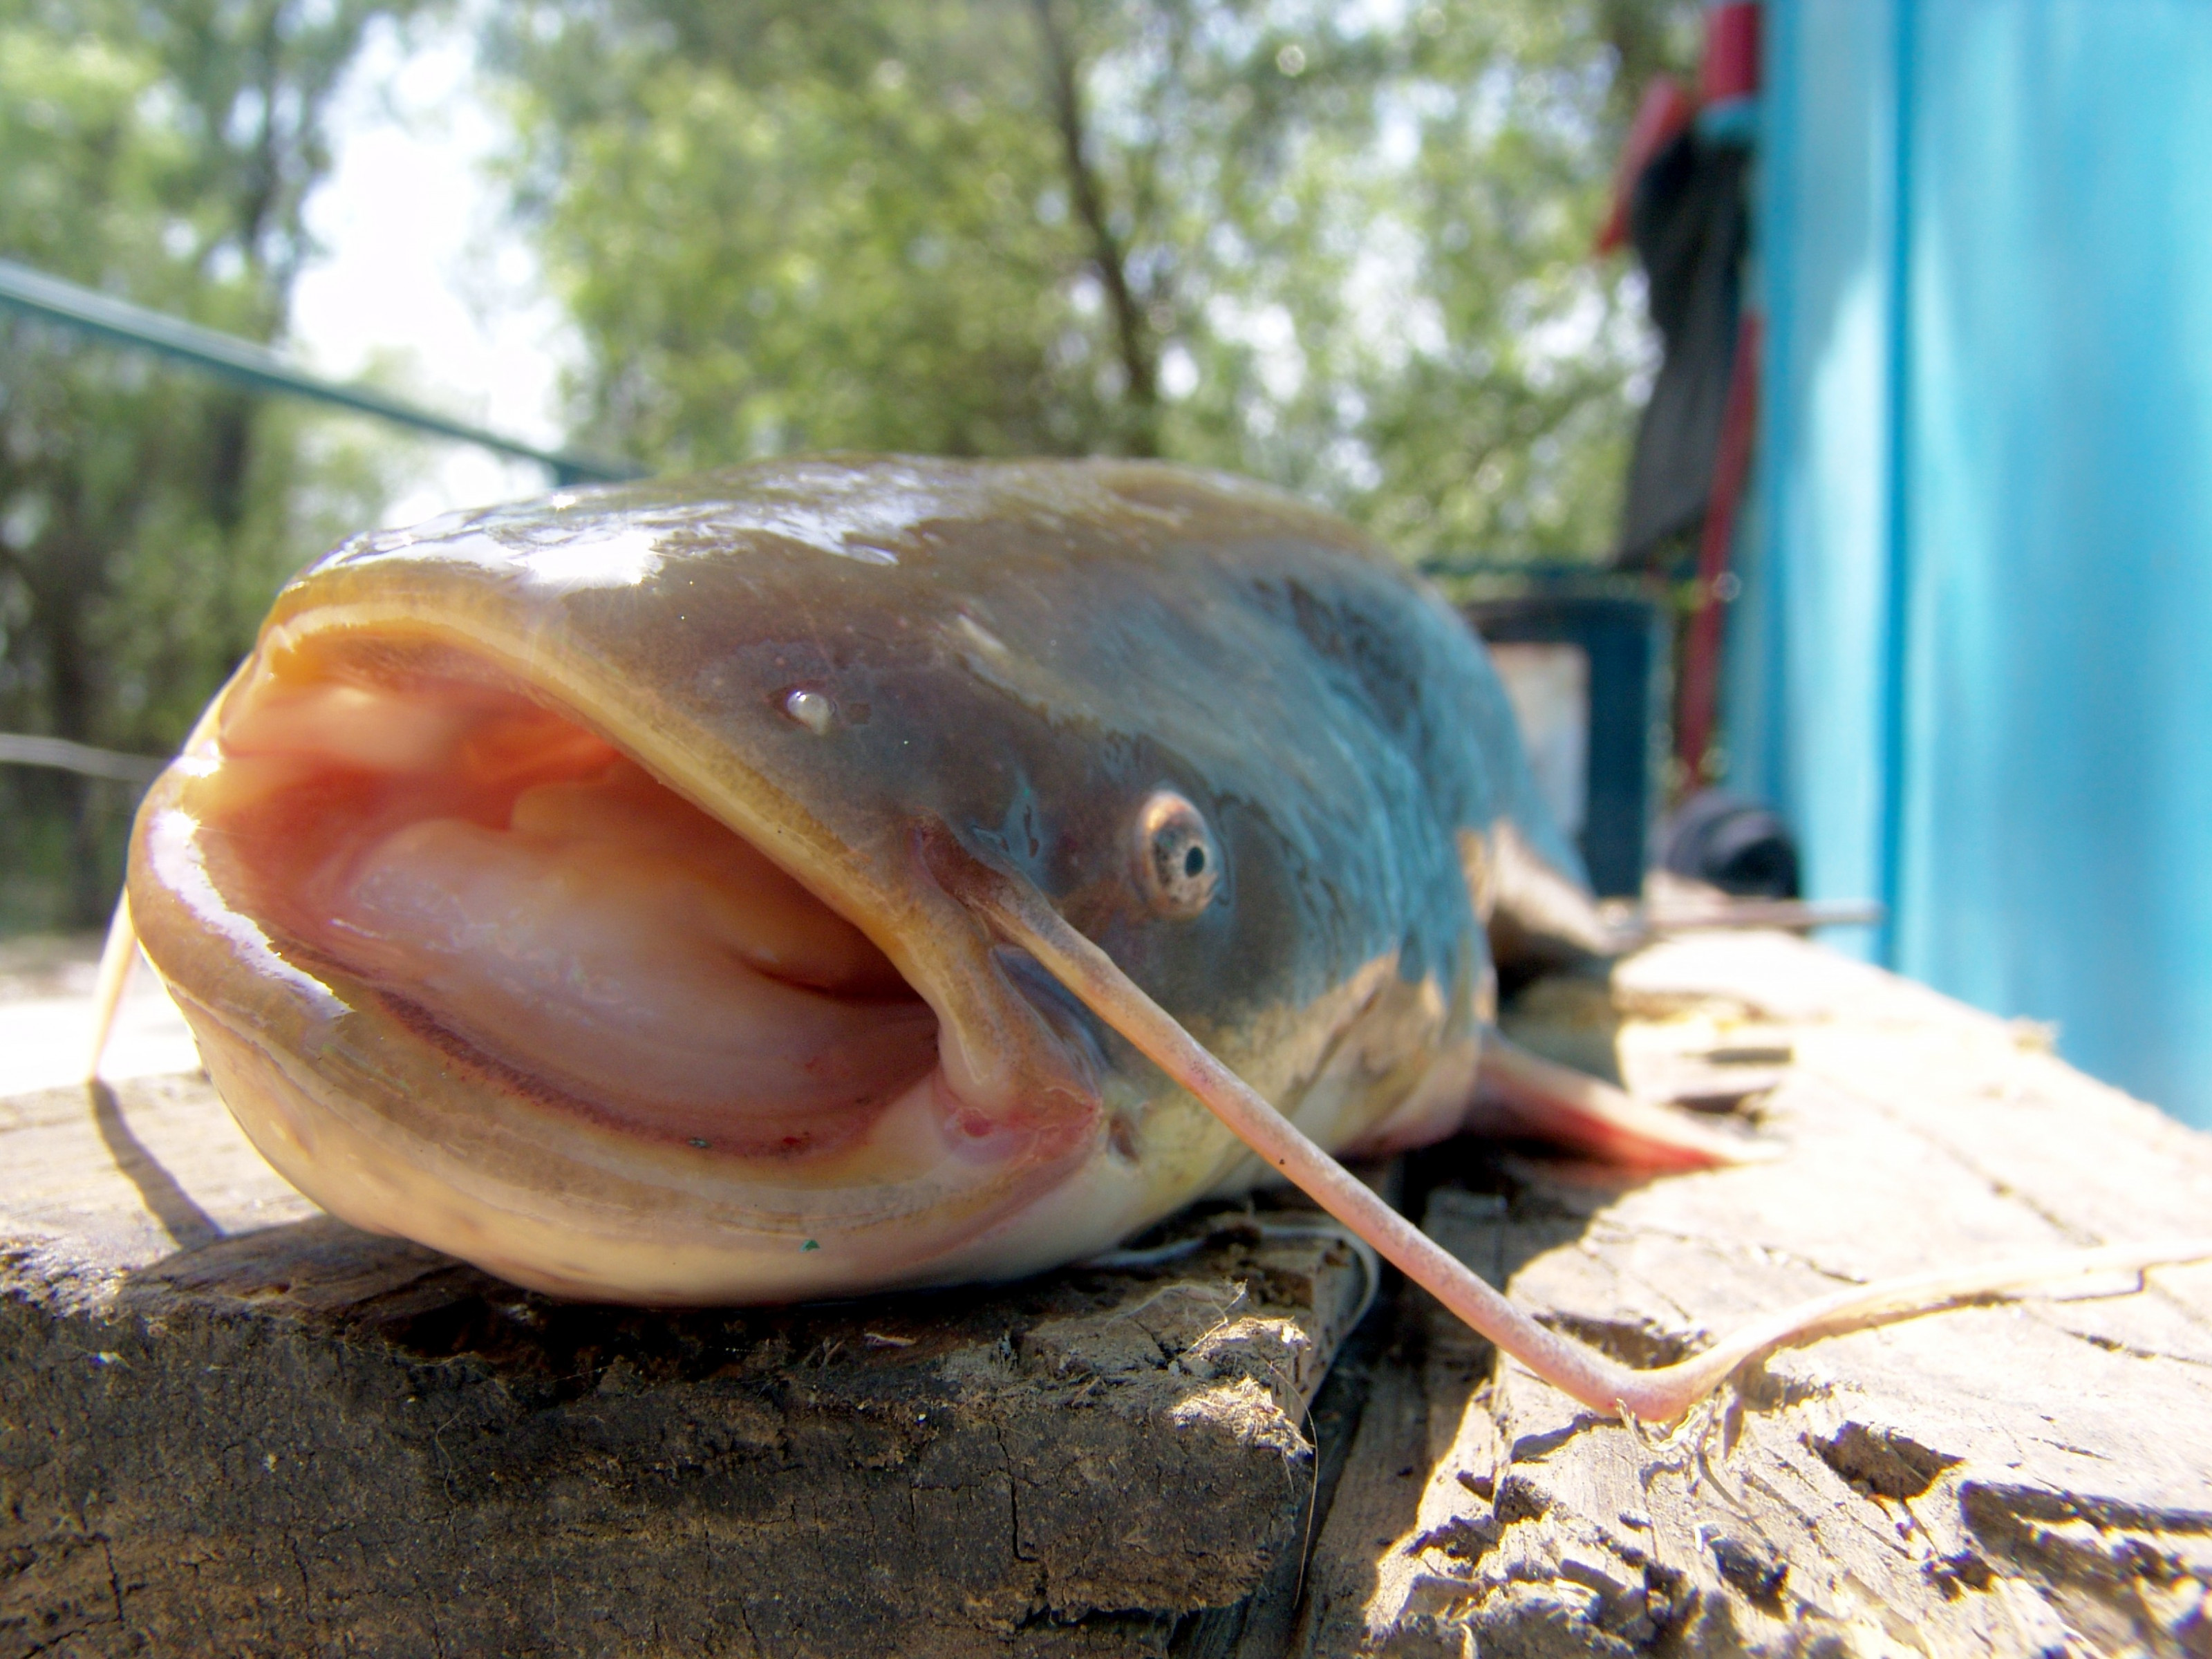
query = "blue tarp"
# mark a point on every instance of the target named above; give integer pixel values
(1972, 659)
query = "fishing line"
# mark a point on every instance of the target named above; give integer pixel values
(1180, 1249)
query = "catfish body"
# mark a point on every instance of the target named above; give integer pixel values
(441, 874)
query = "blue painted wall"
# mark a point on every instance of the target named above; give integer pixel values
(1972, 660)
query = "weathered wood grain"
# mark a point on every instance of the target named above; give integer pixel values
(2024, 1478)
(230, 1424)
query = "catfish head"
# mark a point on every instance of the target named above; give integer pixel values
(578, 888)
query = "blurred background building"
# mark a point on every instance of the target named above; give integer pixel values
(1972, 661)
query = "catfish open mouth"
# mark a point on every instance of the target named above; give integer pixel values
(525, 894)
(465, 969)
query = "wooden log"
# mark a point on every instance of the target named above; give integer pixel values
(229, 1423)
(471, 1468)
(2020, 1478)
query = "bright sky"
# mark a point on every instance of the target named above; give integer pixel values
(420, 276)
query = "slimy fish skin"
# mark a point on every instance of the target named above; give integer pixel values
(841, 875)
(544, 886)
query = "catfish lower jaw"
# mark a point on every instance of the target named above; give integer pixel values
(592, 1039)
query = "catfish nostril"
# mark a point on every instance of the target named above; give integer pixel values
(1177, 866)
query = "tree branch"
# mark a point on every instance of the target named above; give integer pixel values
(1131, 329)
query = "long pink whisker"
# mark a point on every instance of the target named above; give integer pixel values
(1020, 915)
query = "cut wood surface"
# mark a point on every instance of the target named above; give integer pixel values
(234, 1425)
(231, 1424)
(2030, 1477)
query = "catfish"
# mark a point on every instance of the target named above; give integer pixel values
(837, 875)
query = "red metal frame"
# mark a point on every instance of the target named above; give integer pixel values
(1698, 704)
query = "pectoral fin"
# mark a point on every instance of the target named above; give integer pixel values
(1522, 1094)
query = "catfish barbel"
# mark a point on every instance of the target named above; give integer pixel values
(837, 875)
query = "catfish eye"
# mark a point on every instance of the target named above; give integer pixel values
(1177, 863)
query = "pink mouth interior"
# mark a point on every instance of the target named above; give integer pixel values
(544, 901)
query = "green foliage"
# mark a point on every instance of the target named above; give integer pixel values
(163, 152)
(1341, 246)
(1344, 249)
